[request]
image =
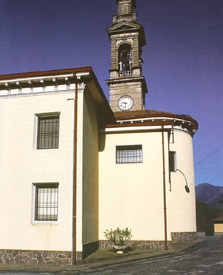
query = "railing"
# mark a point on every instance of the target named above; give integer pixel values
(125, 73)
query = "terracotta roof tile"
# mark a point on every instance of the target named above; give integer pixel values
(130, 114)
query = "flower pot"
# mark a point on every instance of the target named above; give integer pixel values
(123, 248)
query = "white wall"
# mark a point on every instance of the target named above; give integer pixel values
(182, 205)
(131, 195)
(22, 165)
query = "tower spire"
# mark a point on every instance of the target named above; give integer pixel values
(127, 85)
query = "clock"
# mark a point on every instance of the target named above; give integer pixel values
(125, 103)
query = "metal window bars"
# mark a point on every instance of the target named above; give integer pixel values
(46, 203)
(129, 154)
(48, 132)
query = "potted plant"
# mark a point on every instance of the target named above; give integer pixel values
(119, 238)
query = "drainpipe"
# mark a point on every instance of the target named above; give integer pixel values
(73, 260)
(164, 191)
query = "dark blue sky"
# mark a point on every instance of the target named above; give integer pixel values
(183, 57)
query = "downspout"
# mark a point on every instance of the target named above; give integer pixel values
(75, 177)
(164, 191)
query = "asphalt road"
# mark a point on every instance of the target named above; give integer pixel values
(206, 258)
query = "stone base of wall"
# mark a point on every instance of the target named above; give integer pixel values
(143, 245)
(29, 257)
(218, 234)
(34, 257)
(183, 236)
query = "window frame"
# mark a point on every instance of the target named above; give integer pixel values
(43, 116)
(37, 186)
(130, 148)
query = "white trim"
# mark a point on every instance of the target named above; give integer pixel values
(135, 128)
(35, 78)
(153, 119)
(141, 128)
(79, 75)
(34, 94)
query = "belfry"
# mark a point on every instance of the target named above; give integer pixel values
(127, 85)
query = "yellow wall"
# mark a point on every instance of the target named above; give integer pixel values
(90, 171)
(218, 228)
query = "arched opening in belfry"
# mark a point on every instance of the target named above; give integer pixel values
(125, 60)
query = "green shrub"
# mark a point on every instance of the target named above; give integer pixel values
(118, 236)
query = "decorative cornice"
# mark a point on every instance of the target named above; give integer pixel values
(42, 82)
(155, 121)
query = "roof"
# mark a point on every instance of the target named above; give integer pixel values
(105, 113)
(152, 113)
(46, 73)
(135, 114)
(154, 118)
(218, 220)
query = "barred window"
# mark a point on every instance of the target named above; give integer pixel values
(172, 161)
(46, 202)
(48, 132)
(129, 154)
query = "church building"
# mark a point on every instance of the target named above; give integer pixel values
(74, 165)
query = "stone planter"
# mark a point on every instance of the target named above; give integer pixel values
(123, 248)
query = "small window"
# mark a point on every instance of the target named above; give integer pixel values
(48, 132)
(46, 202)
(172, 161)
(129, 154)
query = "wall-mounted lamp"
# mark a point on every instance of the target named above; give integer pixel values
(187, 189)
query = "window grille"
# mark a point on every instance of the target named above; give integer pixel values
(48, 132)
(46, 202)
(129, 154)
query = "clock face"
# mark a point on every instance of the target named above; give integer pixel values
(125, 103)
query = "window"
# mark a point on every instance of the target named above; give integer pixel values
(48, 132)
(46, 202)
(125, 60)
(129, 154)
(172, 161)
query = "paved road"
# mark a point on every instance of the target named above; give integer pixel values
(206, 258)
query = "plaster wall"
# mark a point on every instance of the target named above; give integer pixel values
(22, 165)
(182, 206)
(218, 228)
(90, 171)
(131, 195)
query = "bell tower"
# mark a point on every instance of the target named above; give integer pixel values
(127, 86)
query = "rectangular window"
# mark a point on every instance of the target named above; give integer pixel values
(48, 132)
(46, 202)
(129, 154)
(172, 161)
